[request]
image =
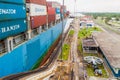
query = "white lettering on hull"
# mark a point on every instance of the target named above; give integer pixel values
(10, 28)
(7, 11)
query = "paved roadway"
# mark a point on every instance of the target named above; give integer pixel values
(114, 35)
(77, 67)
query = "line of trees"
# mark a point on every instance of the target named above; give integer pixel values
(107, 15)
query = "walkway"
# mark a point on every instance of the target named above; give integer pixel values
(77, 66)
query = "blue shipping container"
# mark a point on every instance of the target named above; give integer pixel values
(12, 11)
(10, 28)
(14, 1)
(57, 11)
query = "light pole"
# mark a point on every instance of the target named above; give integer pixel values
(74, 7)
(62, 29)
(62, 38)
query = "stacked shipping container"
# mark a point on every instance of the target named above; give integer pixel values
(57, 6)
(63, 8)
(51, 14)
(12, 18)
(38, 12)
(57, 13)
(14, 1)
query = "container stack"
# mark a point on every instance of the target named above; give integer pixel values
(57, 13)
(51, 13)
(37, 12)
(63, 14)
(57, 6)
(12, 18)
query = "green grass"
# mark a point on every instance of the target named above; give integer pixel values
(80, 46)
(83, 33)
(103, 71)
(99, 21)
(86, 32)
(90, 71)
(71, 33)
(65, 53)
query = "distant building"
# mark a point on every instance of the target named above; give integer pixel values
(90, 23)
(86, 21)
(89, 45)
(86, 24)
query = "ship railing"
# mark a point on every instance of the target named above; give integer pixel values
(3, 50)
(19, 40)
(34, 32)
(90, 51)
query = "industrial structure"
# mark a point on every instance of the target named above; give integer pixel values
(109, 47)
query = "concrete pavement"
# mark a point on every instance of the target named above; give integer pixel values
(77, 67)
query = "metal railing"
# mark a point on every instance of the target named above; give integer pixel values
(3, 50)
(19, 39)
(34, 33)
(90, 51)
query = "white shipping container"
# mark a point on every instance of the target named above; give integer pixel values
(55, 6)
(57, 16)
(36, 10)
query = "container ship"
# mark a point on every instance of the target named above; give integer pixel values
(27, 31)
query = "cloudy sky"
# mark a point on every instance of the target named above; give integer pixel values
(92, 5)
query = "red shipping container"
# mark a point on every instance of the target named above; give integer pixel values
(51, 11)
(37, 21)
(41, 2)
(51, 18)
(51, 14)
(49, 4)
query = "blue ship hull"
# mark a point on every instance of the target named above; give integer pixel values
(24, 57)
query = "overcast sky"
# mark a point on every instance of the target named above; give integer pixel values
(92, 5)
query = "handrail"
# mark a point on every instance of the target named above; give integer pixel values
(3, 50)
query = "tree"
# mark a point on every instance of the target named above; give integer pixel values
(107, 20)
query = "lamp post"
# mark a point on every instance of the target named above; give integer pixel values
(74, 7)
(62, 39)
(62, 29)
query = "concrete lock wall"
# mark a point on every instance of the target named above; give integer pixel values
(108, 63)
(26, 55)
(115, 74)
